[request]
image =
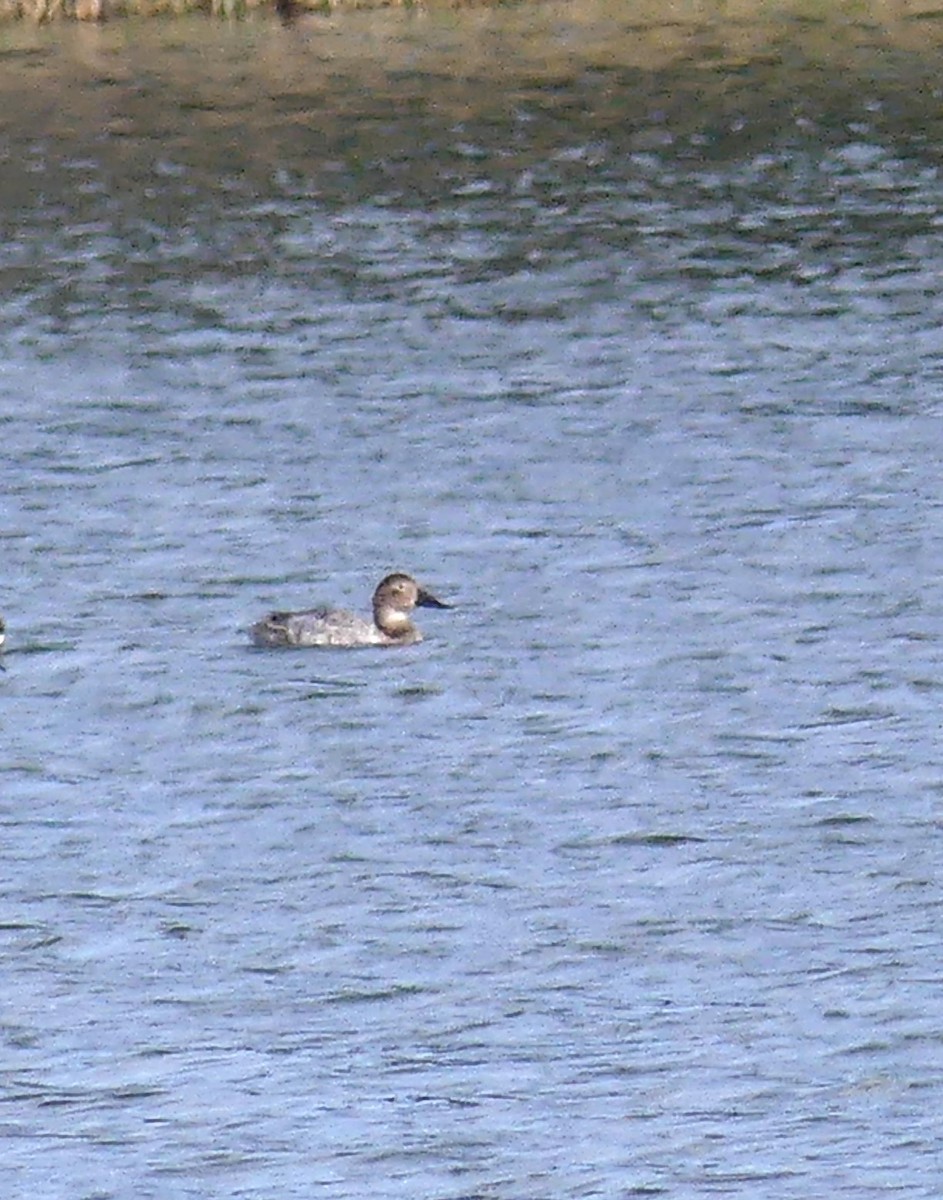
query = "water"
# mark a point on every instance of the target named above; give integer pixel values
(625, 340)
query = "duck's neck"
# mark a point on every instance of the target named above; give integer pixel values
(394, 623)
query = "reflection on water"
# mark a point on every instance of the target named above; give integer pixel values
(626, 334)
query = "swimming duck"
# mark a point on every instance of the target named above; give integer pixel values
(393, 601)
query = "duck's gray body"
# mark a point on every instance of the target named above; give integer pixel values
(393, 601)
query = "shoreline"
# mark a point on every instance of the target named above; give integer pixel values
(884, 15)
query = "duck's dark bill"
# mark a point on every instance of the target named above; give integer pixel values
(427, 600)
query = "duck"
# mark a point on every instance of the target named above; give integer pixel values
(393, 602)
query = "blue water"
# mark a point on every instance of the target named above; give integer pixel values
(626, 881)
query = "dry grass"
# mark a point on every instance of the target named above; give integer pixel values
(41, 11)
(877, 11)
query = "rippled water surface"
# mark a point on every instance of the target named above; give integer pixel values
(624, 337)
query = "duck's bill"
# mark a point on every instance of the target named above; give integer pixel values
(427, 600)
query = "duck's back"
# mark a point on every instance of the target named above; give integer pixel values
(318, 627)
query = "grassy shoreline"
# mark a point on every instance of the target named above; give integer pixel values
(882, 13)
(42, 11)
